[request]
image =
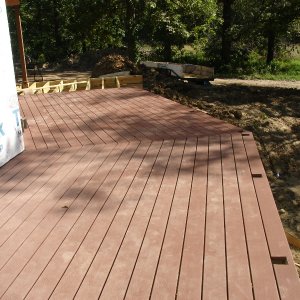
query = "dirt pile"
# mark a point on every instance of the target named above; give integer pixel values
(112, 63)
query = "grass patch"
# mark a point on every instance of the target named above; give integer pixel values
(278, 70)
(252, 66)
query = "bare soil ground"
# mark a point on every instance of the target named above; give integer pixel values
(270, 109)
(260, 83)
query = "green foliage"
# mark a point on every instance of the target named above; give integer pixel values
(279, 70)
(255, 31)
(256, 68)
(188, 55)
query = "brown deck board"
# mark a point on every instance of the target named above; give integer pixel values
(238, 269)
(287, 283)
(59, 245)
(214, 283)
(55, 117)
(114, 235)
(122, 194)
(168, 267)
(17, 248)
(75, 138)
(259, 257)
(16, 174)
(31, 200)
(159, 117)
(143, 276)
(15, 199)
(82, 115)
(190, 278)
(172, 110)
(110, 116)
(75, 225)
(26, 219)
(111, 235)
(121, 271)
(93, 240)
(131, 110)
(117, 115)
(104, 119)
(33, 128)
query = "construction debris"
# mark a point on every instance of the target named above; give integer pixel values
(57, 86)
(188, 72)
(292, 240)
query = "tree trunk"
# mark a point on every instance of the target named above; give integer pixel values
(226, 35)
(271, 46)
(56, 27)
(167, 50)
(130, 39)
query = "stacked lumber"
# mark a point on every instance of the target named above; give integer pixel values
(57, 86)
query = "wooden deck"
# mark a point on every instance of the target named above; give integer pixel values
(111, 116)
(122, 194)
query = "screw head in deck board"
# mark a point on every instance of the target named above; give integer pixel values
(279, 260)
(256, 175)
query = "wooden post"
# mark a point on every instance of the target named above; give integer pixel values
(12, 2)
(25, 83)
(16, 5)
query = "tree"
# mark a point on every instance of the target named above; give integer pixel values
(228, 30)
(276, 18)
(227, 13)
(176, 23)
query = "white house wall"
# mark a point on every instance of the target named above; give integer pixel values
(11, 136)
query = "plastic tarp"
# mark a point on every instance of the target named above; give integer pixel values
(11, 136)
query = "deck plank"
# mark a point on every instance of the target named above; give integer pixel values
(79, 128)
(190, 277)
(16, 198)
(286, 274)
(239, 284)
(35, 132)
(18, 173)
(70, 236)
(130, 111)
(83, 119)
(90, 114)
(58, 118)
(66, 227)
(195, 121)
(101, 252)
(214, 268)
(259, 256)
(54, 123)
(154, 114)
(34, 204)
(124, 122)
(143, 275)
(168, 268)
(119, 275)
(169, 118)
(122, 114)
(18, 249)
(47, 119)
(28, 138)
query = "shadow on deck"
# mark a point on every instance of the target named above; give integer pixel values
(122, 194)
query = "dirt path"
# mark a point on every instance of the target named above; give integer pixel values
(259, 83)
